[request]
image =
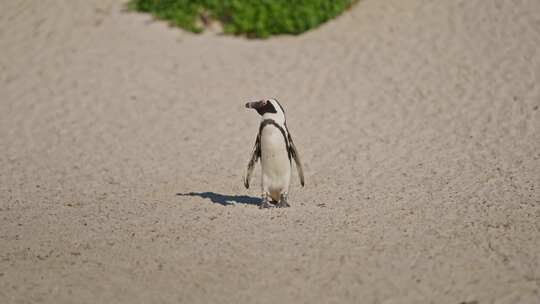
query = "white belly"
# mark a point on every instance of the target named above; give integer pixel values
(275, 163)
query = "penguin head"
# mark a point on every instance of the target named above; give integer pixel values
(268, 109)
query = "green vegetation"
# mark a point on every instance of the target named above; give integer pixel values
(255, 18)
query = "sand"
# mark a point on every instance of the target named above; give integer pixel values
(123, 142)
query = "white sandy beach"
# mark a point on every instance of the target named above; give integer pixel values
(418, 123)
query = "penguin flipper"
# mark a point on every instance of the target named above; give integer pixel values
(255, 155)
(296, 157)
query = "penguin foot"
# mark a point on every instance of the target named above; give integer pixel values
(283, 201)
(265, 203)
(282, 204)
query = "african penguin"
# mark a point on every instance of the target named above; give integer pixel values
(275, 148)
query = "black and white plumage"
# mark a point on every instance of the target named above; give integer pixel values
(276, 150)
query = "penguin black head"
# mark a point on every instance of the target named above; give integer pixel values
(268, 109)
(267, 106)
(262, 106)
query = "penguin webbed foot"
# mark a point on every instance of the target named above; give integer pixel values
(283, 201)
(282, 204)
(265, 202)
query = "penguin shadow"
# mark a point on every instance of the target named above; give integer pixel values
(224, 200)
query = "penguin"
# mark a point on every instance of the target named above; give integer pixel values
(276, 150)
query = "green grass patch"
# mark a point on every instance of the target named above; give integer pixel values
(254, 18)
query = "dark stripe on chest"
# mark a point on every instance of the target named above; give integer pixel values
(267, 122)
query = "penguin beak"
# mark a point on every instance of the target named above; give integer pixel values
(256, 104)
